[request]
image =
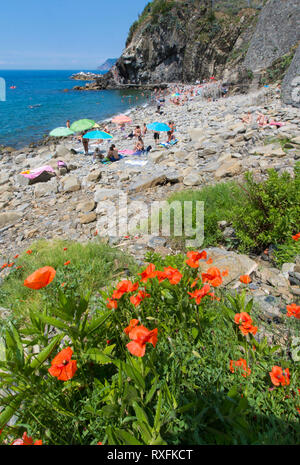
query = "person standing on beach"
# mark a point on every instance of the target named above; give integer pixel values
(156, 138)
(68, 124)
(144, 129)
(85, 143)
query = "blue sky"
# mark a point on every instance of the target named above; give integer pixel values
(64, 34)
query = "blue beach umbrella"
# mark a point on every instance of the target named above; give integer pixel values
(159, 127)
(97, 135)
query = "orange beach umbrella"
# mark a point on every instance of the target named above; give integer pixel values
(121, 119)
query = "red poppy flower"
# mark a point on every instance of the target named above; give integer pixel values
(209, 261)
(67, 263)
(62, 367)
(279, 376)
(245, 320)
(40, 278)
(140, 336)
(124, 287)
(137, 299)
(173, 275)
(11, 264)
(16, 256)
(296, 237)
(245, 279)
(65, 248)
(241, 363)
(293, 310)
(132, 324)
(96, 233)
(200, 293)
(112, 304)
(225, 273)
(194, 257)
(213, 277)
(99, 444)
(194, 283)
(4, 265)
(29, 252)
(18, 267)
(148, 273)
(26, 441)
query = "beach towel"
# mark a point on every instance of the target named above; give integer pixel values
(136, 162)
(130, 152)
(32, 174)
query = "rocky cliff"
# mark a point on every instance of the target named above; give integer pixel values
(185, 40)
(188, 40)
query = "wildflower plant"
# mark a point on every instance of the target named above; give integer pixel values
(165, 356)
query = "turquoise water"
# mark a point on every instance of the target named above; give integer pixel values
(20, 125)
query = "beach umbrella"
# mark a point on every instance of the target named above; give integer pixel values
(61, 132)
(82, 125)
(159, 127)
(120, 119)
(97, 135)
(175, 95)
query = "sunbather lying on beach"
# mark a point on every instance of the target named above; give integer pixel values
(247, 118)
(262, 120)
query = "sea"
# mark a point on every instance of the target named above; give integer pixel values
(38, 103)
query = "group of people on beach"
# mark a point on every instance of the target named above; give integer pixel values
(179, 94)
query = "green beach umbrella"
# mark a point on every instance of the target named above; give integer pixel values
(61, 132)
(82, 125)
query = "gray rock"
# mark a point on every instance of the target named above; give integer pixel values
(291, 82)
(229, 168)
(104, 194)
(71, 183)
(192, 179)
(10, 217)
(155, 242)
(144, 182)
(50, 187)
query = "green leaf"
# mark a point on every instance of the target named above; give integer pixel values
(42, 356)
(195, 332)
(140, 413)
(96, 323)
(54, 322)
(127, 438)
(158, 412)
(10, 410)
(98, 356)
(135, 375)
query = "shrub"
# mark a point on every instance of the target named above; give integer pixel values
(271, 213)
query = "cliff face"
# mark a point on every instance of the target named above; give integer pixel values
(190, 41)
(278, 29)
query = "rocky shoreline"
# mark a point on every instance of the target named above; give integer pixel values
(214, 145)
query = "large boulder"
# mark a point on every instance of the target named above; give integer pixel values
(144, 182)
(71, 184)
(228, 169)
(236, 264)
(291, 82)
